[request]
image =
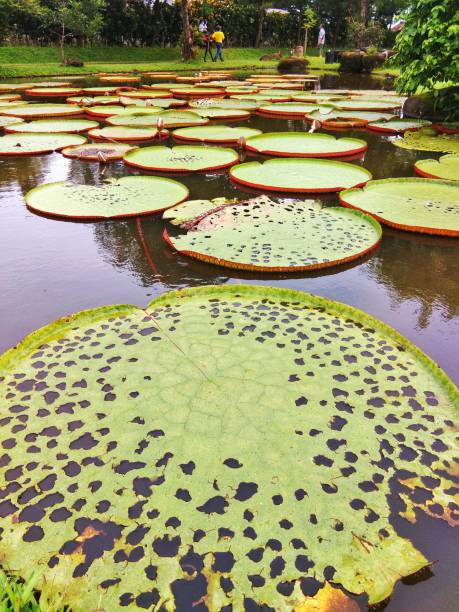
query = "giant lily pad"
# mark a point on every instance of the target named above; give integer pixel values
(145, 95)
(35, 144)
(69, 126)
(396, 126)
(447, 167)
(293, 109)
(415, 204)
(247, 105)
(428, 139)
(102, 111)
(93, 100)
(96, 91)
(5, 121)
(263, 235)
(181, 158)
(189, 210)
(300, 175)
(336, 118)
(197, 92)
(298, 144)
(53, 92)
(37, 111)
(128, 196)
(261, 99)
(364, 104)
(215, 133)
(9, 97)
(169, 119)
(126, 133)
(232, 114)
(447, 127)
(248, 437)
(102, 152)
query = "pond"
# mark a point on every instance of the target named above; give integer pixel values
(51, 268)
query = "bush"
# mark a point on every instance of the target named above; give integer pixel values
(293, 65)
(371, 35)
(359, 61)
(73, 61)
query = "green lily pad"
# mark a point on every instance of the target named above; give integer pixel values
(182, 158)
(428, 139)
(93, 100)
(365, 104)
(5, 121)
(37, 111)
(422, 205)
(35, 144)
(103, 111)
(222, 113)
(298, 144)
(170, 119)
(261, 99)
(125, 133)
(395, 126)
(128, 196)
(146, 95)
(69, 126)
(53, 92)
(100, 152)
(294, 109)
(15, 86)
(9, 97)
(156, 102)
(230, 103)
(325, 114)
(265, 236)
(101, 90)
(189, 210)
(14, 104)
(315, 97)
(226, 433)
(197, 92)
(447, 167)
(300, 175)
(215, 133)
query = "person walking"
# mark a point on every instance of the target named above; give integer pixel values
(218, 37)
(321, 39)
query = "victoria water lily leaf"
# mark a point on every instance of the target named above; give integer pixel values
(447, 167)
(223, 113)
(125, 133)
(261, 99)
(247, 105)
(145, 95)
(415, 204)
(298, 144)
(5, 121)
(69, 126)
(199, 92)
(395, 126)
(104, 110)
(102, 152)
(124, 197)
(52, 92)
(97, 91)
(364, 104)
(215, 428)
(288, 108)
(36, 111)
(30, 144)
(189, 210)
(9, 97)
(300, 175)
(428, 139)
(215, 133)
(93, 100)
(448, 127)
(325, 113)
(181, 158)
(158, 103)
(265, 236)
(169, 118)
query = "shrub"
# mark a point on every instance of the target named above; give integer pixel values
(293, 65)
(371, 35)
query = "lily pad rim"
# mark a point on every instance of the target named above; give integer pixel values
(44, 151)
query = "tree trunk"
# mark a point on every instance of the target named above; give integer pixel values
(62, 43)
(187, 37)
(305, 46)
(261, 19)
(363, 12)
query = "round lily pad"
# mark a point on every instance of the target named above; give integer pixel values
(128, 196)
(145, 95)
(170, 119)
(159, 102)
(428, 139)
(69, 126)
(300, 175)
(35, 144)
(125, 133)
(103, 111)
(364, 104)
(447, 167)
(298, 144)
(199, 92)
(9, 97)
(4, 105)
(5, 121)
(215, 133)
(232, 114)
(182, 158)
(189, 210)
(261, 99)
(96, 91)
(293, 109)
(244, 105)
(99, 152)
(237, 435)
(336, 118)
(265, 236)
(16, 86)
(52, 92)
(397, 126)
(93, 100)
(422, 205)
(37, 111)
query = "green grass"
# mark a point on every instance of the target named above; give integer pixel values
(45, 61)
(21, 596)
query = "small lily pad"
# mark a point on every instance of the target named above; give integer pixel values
(397, 126)
(99, 152)
(37, 111)
(300, 175)
(364, 104)
(125, 133)
(181, 158)
(197, 92)
(231, 114)
(169, 119)
(50, 126)
(35, 144)
(53, 92)
(446, 168)
(231, 103)
(93, 100)
(297, 144)
(292, 109)
(422, 205)
(128, 196)
(215, 133)
(428, 139)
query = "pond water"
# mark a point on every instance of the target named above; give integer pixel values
(50, 268)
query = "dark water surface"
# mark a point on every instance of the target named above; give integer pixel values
(50, 268)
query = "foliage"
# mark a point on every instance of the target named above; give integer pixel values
(428, 48)
(309, 21)
(361, 35)
(18, 16)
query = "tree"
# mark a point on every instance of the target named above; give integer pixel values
(16, 15)
(187, 42)
(263, 4)
(75, 18)
(309, 21)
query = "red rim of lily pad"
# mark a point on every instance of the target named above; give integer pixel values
(445, 129)
(52, 92)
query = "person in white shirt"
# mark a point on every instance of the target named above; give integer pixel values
(203, 26)
(321, 39)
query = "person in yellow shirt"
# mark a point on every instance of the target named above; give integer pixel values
(218, 37)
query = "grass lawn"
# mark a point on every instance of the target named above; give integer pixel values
(45, 61)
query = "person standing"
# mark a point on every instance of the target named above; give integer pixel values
(321, 39)
(206, 40)
(218, 37)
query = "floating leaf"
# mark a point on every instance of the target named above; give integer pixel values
(260, 99)
(300, 175)
(126, 133)
(157, 102)
(293, 109)
(345, 118)
(100, 152)
(265, 236)
(364, 104)
(36, 111)
(447, 127)
(181, 159)
(4, 121)
(34, 144)
(189, 210)
(53, 92)
(245, 436)
(395, 126)
(128, 196)
(199, 92)
(9, 97)
(447, 167)
(298, 144)
(414, 204)
(170, 119)
(106, 89)
(107, 110)
(427, 139)
(69, 126)
(223, 113)
(247, 105)
(149, 95)
(93, 100)
(215, 133)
